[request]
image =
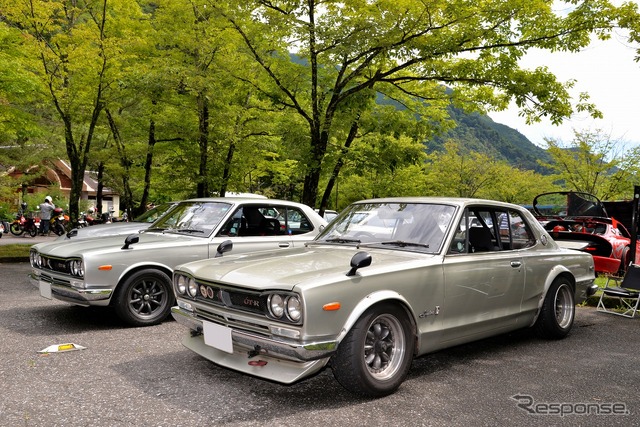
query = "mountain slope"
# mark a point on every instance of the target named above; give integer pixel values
(480, 133)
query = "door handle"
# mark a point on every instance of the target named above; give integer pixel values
(283, 244)
(516, 264)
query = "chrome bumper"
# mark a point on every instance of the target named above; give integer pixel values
(261, 345)
(63, 291)
(591, 290)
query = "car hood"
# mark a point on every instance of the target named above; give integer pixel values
(301, 267)
(106, 230)
(107, 244)
(568, 204)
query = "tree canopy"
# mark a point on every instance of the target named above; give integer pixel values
(295, 99)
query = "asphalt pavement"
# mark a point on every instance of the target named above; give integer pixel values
(124, 376)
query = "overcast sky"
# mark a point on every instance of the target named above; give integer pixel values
(608, 72)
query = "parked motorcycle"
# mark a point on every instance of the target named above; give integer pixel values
(23, 224)
(58, 222)
(88, 218)
(4, 227)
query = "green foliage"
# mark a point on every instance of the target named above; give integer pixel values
(458, 172)
(306, 100)
(595, 163)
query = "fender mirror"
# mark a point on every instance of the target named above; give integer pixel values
(130, 240)
(359, 260)
(223, 247)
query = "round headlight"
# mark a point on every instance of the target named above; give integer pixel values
(77, 268)
(192, 287)
(276, 305)
(294, 308)
(181, 284)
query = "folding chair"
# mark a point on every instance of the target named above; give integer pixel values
(628, 292)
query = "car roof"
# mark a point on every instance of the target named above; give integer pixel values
(247, 200)
(457, 201)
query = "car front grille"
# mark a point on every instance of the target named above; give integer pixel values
(253, 302)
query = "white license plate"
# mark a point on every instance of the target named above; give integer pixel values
(45, 289)
(217, 336)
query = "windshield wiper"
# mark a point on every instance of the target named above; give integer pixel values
(403, 244)
(155, 229)
(187, 230)
(343, 240)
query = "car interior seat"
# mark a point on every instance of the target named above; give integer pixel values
(481, 240)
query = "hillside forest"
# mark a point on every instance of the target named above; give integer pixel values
(319, 101)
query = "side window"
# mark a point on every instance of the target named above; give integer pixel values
(514, 231)
(476, 232)
(459, 242)
(294, 221)
(488, 230)
(253, 220)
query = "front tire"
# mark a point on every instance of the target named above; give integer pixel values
(16, 229)
(375, 356)
(145, 298)
(558, 311)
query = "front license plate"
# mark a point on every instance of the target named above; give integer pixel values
(217, 336)
(45, 289)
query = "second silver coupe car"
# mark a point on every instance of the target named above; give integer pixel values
(427, 274)
(133, 273)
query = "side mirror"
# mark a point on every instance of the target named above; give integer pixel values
(223, 247)
(72, 233)
(359, 260)
(130, 240)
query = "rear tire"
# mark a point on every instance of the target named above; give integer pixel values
(625, 260)
(58, 229)
(558, 311)
(144, 298)
(375, 356)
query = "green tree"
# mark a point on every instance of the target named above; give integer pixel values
(26, 136)
(459, 173)
(593, 162)
(80, 46)
(412, 51)
(517, 186)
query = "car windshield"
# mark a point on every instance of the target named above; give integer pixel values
(408, 226)
(195, 218)
(154, 213)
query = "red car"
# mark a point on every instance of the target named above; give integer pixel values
(580, 221)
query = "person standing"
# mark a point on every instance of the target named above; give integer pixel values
(46, 209)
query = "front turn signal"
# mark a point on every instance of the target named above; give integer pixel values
(332, 306)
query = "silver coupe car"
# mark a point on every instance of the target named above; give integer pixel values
(133, 273)
(439, 272)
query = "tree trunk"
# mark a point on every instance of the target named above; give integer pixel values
(100, 188)
(147, 169)
(203, 143)
(353, 132)
(127, 197)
